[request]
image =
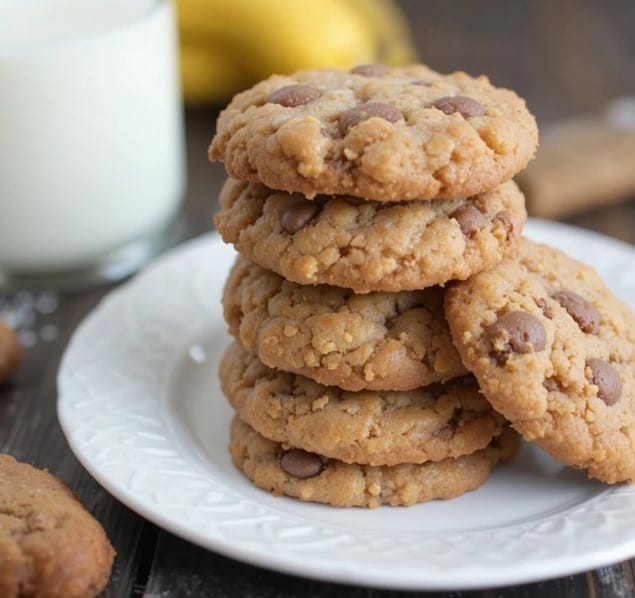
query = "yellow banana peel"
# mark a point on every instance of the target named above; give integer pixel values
(226, 45)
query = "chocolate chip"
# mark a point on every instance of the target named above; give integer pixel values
(422, 82)
(298, 215)
(370, 70)
(363, 112)
(466, 106)
(294, 95)
(301, 464)
(505, 221)
(469, 218)
(582, 311)
(516, 332)
(606, 378)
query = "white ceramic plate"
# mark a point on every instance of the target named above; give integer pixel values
(140, 404)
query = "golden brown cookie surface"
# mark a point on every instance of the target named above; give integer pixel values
(378, 428)
(10, 351)
(311, 477)
(50, 546)
(370, 246)
(377, 341)
(389, 135)
(554, 351)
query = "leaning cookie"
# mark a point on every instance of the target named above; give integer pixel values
(10, 352)
(377, 341)
(377, 133)
(376, 428)
(370, 246)
(554, 351)
(49, 544)
(311, 477)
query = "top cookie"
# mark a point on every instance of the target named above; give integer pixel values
(378, 133)
(554, 352)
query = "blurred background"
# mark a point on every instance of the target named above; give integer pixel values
(570, 59)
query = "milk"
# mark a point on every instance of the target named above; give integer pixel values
(91, 139)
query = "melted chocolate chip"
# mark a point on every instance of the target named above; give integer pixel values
(370, 70)
(582, 311)
(516, 332)
(606, 378)
(469, 218)
(363, 112)
(294, 95)
(301, 464)
(468, 107)
(298, 215)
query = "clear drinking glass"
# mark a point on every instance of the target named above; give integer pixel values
(91, 138)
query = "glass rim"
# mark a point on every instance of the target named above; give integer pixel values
(91, 37)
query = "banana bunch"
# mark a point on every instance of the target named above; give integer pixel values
(227, 45)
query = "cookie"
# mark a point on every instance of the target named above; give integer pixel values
(311, 477)
(377, 133)
(49, 544)
(376, 428)
(370, 246)
(554, 351)
(10, 352)
(378, 341)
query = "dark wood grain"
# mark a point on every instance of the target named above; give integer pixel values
(567, 57)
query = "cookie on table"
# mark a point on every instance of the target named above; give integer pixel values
(370, 246)
(375, 132)
(378, 341)
(49, 544)
(10, 352)
(554, 352)
(311, 477)
(372, 427)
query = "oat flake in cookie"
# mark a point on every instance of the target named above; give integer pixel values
(311, 477)
(377, 341)
(373, 427)
(554, 352)
(367, 245)
(377, 133)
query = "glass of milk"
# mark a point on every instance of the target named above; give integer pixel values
(91, 138)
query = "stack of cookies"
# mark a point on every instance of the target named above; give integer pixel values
(358, 201)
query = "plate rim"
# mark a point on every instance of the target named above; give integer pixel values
(373, 577)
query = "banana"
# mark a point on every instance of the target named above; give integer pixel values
(392, 33)
(281, 36)
(227, 45)
(209, 74)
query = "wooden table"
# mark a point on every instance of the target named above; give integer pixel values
(566, 57)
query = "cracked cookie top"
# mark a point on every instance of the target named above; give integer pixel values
(377, 341)
(553, 351)
(367, 245)
(377, 133)
(372, 427)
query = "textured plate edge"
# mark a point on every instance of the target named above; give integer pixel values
(463, 581)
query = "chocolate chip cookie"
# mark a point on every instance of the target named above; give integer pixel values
(49, 544)
(553, 351)
(312, 477)
(10, 352)
(377, 428)
(378, 341)
(370, 246)
(378, 133)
